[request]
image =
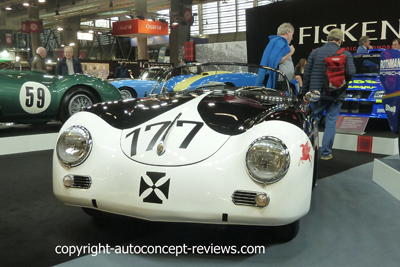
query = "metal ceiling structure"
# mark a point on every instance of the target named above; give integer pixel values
(86, 10)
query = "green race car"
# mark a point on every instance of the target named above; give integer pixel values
(32, 97)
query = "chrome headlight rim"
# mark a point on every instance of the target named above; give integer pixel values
(283, 171)
(87, 151)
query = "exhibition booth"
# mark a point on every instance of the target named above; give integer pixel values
(354, 216)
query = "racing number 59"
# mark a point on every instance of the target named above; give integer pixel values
(30, 97)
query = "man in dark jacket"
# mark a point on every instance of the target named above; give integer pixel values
(122, 71)
(313, 79)
(68, 64)
(38, 64)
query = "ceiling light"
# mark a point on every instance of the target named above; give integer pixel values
(129, 16)
(25, 4)
(100, 33)
(8, 8)
(72, 44)
(42, 1)
(111, 4)
(91, 31)
(60, 29)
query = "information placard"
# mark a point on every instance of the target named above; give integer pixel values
(351, 125)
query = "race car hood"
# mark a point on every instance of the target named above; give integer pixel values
(365, 82)
(178, 131)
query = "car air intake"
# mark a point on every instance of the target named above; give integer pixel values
(249, 198)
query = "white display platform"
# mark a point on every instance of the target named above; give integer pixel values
(380, 145)
(386, 173)
(27, 143)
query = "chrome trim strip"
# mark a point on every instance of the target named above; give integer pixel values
(161, 145)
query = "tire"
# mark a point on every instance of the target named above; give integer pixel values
(127, 92)
(286, 233)
(75, 100)
(93, 213)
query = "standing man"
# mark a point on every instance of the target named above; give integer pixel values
(277, 55)
(68, 65)
(396, 43)
(364, 43)
(313, 79)
(38, 64)
(122, 71)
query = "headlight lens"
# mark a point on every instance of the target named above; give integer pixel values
(379, 94)
(74, 146)
(267, 160)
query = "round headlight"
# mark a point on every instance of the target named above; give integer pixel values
(74, 146)
(267, 160)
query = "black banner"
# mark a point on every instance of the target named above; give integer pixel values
(313, 19)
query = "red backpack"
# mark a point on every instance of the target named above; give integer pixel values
(335, 80)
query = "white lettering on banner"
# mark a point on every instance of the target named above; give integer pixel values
(391, 109)
(391, 63)
(380, 110)
(367, 28)
(386, 24)
(125, 27)
(365, 31)
(153, 27)
(390, 73)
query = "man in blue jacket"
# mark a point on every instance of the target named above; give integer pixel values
(313, 79)
(277, 55)
(68, 64)
(364, 43)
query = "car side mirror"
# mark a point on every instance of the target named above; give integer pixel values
(313, 96)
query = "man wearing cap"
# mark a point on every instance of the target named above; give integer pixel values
(313, 79)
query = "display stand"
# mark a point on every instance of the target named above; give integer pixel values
(386, 173)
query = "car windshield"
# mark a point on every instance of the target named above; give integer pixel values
(367, 64)
(216, 76)
(150, 74)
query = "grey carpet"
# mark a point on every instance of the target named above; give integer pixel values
(352, 222)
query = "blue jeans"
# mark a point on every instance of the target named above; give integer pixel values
(332, 114)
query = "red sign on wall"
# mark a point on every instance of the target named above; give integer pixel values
(139, 28)
(8, 38)
(24, 27)
(34, 26)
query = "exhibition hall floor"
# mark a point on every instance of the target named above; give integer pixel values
(352, 222)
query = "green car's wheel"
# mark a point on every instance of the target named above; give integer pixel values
(127, 93)
(75, 100)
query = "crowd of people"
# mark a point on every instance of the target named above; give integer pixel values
(309, 74)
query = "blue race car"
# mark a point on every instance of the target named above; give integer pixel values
(364, 94)
(140, 87)
(390, 78)
(206, 76)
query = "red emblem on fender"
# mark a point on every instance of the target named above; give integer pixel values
(305, 153)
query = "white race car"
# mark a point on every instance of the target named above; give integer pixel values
(237, 155)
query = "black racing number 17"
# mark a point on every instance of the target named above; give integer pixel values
(185, 143)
